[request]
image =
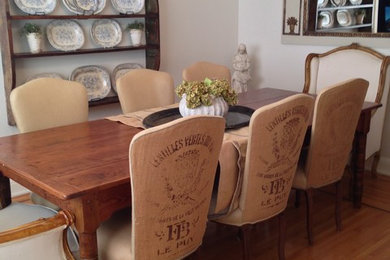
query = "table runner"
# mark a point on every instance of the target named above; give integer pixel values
(232, 161)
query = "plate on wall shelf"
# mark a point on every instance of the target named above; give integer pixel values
(322, 3)
(85, 6)
(338, 2)
(128, 6)
(45, 75)
(355, 2)
(95, 79)
(106, 32)
(121, 70)
(325, 20)
(65, 35)
(36, 6)
(345, 18)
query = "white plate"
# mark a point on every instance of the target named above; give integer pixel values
(36, 6)
(85, 6)
(121, 70)
(65, 35)
(355, 2)
(322, 3)
(344, 18)
(106, 32)
(128, 6)
(325, 20)
(95, 79)
(45, 75)
(338, 2)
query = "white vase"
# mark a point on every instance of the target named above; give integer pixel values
(136, 37)
(219, 107)
(34, 42)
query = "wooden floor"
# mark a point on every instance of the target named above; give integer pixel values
(365, 234)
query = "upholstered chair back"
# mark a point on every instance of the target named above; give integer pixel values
(48, 102)
(336, 114)
(203, 69)
(172, 184)
(348, 62)
(276, 134)
(144, 88)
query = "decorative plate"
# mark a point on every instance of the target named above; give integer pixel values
(344, 18)
(322, 3)
(65, 35)
(45, 75)
(355, 2)
(121, 70)
(128, 6)
(338, 2)
(85, 6)
(36, 6)
(95, 79)
(106, 32)
(325, 20)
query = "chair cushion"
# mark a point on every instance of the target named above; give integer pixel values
(114, 237)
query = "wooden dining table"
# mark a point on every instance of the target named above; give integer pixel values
(84, 168)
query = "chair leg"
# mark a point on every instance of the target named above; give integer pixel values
(339, 196)
(297, 198)
(244, 236)
(282, 235)
(374, 165)
(309, 214)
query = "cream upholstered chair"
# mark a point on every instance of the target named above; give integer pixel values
(336, 114)
(35, 232)
(276, 134)
(144, 88)
(172, 169)
(354, 61)
(203, 69)
(45, 103)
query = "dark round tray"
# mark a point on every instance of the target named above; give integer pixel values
(237, 116)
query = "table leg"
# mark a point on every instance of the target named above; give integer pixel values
(5, 191)
(86, 213)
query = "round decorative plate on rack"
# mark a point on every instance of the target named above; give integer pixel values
(95, 79)
(85, 6)
(128, 6)
(325, 20)
(65, 35)
(345, 18)
(322, 3)
(36, 7)
(45, 75)
(355, 2)
(121, 70)
(338, 2)
(106, 32)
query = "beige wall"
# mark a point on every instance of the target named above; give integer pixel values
(281, 65)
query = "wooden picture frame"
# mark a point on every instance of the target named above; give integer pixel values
(292, 17)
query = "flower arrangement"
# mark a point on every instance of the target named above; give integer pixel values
(30, 28)
(202, 92)
(292, 20)
(136, 26)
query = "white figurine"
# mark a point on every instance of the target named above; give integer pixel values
(241, 66)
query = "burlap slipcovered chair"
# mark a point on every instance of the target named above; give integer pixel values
(336, 114)
(276, 134)
(354, 61)
(45, 103)
(203, 69)
(144, 88)
(35, 232)
(172, 169)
